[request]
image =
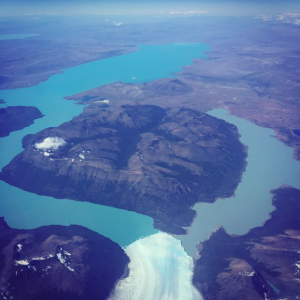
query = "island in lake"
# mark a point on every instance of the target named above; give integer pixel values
(144, 158)
(58, 262)
(149, 148)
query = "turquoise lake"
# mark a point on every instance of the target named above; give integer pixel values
(26, 210)
(4, 37)
(270, 163)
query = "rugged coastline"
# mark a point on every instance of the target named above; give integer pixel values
(13, 118)
(144, 158)
(58, 262)
(194, 91)
(253, 76)
(263, 264)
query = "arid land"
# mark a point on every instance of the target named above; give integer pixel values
(251, 70)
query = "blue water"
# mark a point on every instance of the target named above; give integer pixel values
(4, 37)
(270, 164)
(275, 289)
(25, 210)
(149, 63)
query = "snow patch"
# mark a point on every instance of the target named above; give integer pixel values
(66, 252)
(23, 262)
(102, 101)
(64, 257)
(43, 257)
(60, 258)
(298, 279)
(47, 269)
(249, 274)
(19, 248)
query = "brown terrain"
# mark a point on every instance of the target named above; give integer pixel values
(251, 70)
(199, 87)
(61, 44)
(14, 118)
(144, 158)
(263, 264)
(58, 262)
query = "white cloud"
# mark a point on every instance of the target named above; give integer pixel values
(52, 143)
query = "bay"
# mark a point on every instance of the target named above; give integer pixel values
(25, 210)
(269, 165)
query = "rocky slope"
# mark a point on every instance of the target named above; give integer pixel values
(57, 262)
(14, 118)
(144, 158)
(263, 264)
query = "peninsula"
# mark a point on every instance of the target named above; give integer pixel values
(13, 118)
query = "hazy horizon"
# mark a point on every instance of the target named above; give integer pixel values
(119, 7)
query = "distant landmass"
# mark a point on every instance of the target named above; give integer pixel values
(14, 118)
(156, 158)
(205, 93)
(144, 158)
(263, 264)
(257, 83)
(58, 262)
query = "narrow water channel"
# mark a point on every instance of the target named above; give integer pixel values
(25, 210)
(269, 165)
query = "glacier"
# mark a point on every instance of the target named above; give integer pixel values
(159, 268)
